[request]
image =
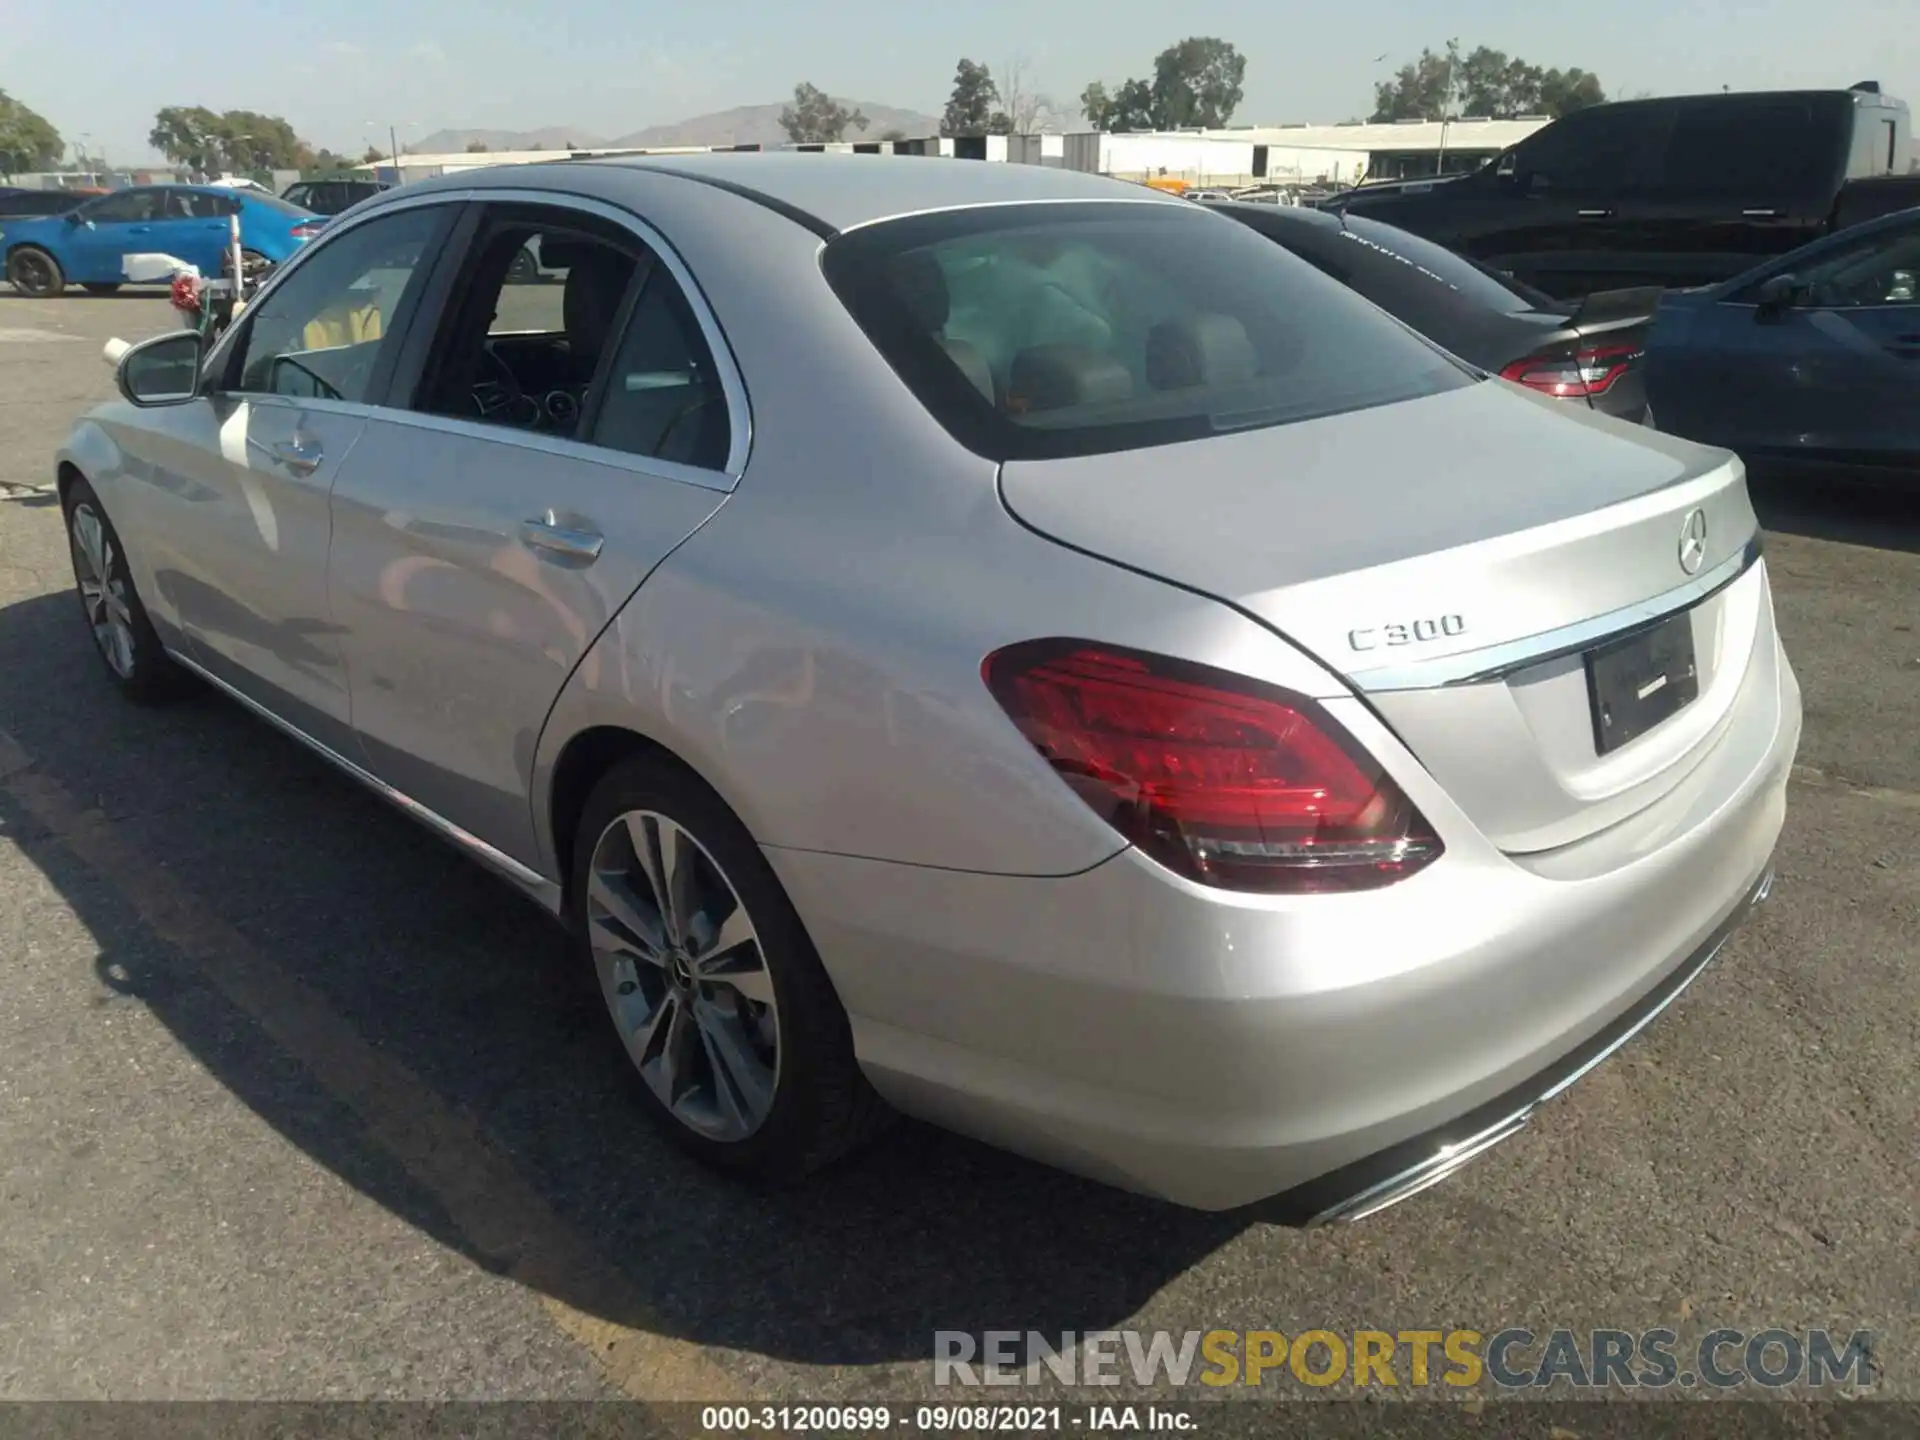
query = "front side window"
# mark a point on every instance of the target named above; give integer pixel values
(1882, 271)
(321, 333)
(1591, 152)
(1034, 331)
(127, 207)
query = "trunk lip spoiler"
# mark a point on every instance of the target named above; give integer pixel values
(1494, 662)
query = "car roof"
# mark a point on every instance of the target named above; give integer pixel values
(835, 192)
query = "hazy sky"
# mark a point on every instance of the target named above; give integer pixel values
(343, 70)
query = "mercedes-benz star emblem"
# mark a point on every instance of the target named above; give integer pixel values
(1693, 541)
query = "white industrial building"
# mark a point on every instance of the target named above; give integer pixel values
(1282, 155)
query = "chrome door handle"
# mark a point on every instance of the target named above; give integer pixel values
(1760, 214)
(547, 534)
(1595, 214)
(297, 456)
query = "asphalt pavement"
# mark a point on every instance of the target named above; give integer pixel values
(295, 1103)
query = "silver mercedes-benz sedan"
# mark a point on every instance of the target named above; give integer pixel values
(979, 641)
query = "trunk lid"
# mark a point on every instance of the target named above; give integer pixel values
(1453, 558)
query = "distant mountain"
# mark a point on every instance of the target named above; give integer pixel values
(551, 137)
(760, 124)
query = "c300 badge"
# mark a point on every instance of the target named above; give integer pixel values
(1408, 632)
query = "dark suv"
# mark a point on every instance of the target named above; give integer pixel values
(330, 197)
(1674, 192)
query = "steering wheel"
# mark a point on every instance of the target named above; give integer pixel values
(501, 400)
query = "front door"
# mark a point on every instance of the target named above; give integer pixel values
(1562, 207)
(564, 438)
(1840, 377)
(241, 544)
(102, 231)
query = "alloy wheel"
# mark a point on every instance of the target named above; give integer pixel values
(33, 272)
(684, 975)
(102, 592)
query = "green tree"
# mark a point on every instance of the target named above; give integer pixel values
(894, 134)
(1199, 81)
(1128, 108)
(477, 147)
(1484, 82)
(970, 108)
(28, 140)
(815, 117)
(195, 136)
(1564, 91)
(374, 156)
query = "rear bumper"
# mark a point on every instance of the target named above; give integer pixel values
(1402, 1171)
(1217, 1050)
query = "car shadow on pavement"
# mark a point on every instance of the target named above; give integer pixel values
(293, 887)
(1885, 519)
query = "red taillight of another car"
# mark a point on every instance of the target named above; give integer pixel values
(1578, 376)
(1222, 779)
(305, 232)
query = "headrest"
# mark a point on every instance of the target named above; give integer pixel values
(1202, 349)
(922, 287)
(1054, 377)
(561, 254)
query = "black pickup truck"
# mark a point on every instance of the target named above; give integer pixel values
(1680, 191)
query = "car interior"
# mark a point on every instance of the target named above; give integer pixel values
(526, 355)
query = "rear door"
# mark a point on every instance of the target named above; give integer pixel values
(1743, 179)
(549, 447)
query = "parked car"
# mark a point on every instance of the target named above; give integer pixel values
(1588, 351)
(86, 245)
(983, 638)
(332, 195)
(1808, 364)
(1674, 192)
(20, 203)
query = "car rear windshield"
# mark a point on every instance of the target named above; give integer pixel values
(1046, 330)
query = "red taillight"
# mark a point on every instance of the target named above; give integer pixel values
(304, 232)
(1220, 778)
(1576, 377)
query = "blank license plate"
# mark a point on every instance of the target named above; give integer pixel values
(1640, 680)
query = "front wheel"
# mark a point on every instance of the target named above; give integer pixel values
(742, 1051)
(35, 273)
(122, 634)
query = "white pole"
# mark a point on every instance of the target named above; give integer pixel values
(233, 251)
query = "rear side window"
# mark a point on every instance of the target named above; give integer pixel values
(1040, 331)
(1755, 148)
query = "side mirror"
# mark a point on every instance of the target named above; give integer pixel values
(1777, 295)
(161, 371)
(74, 217)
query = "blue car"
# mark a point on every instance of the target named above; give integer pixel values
(1808, 362)
(86, 245)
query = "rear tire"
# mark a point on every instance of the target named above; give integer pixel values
(739, 1048)
(123, 636)
(35, 273)
(101, 287)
